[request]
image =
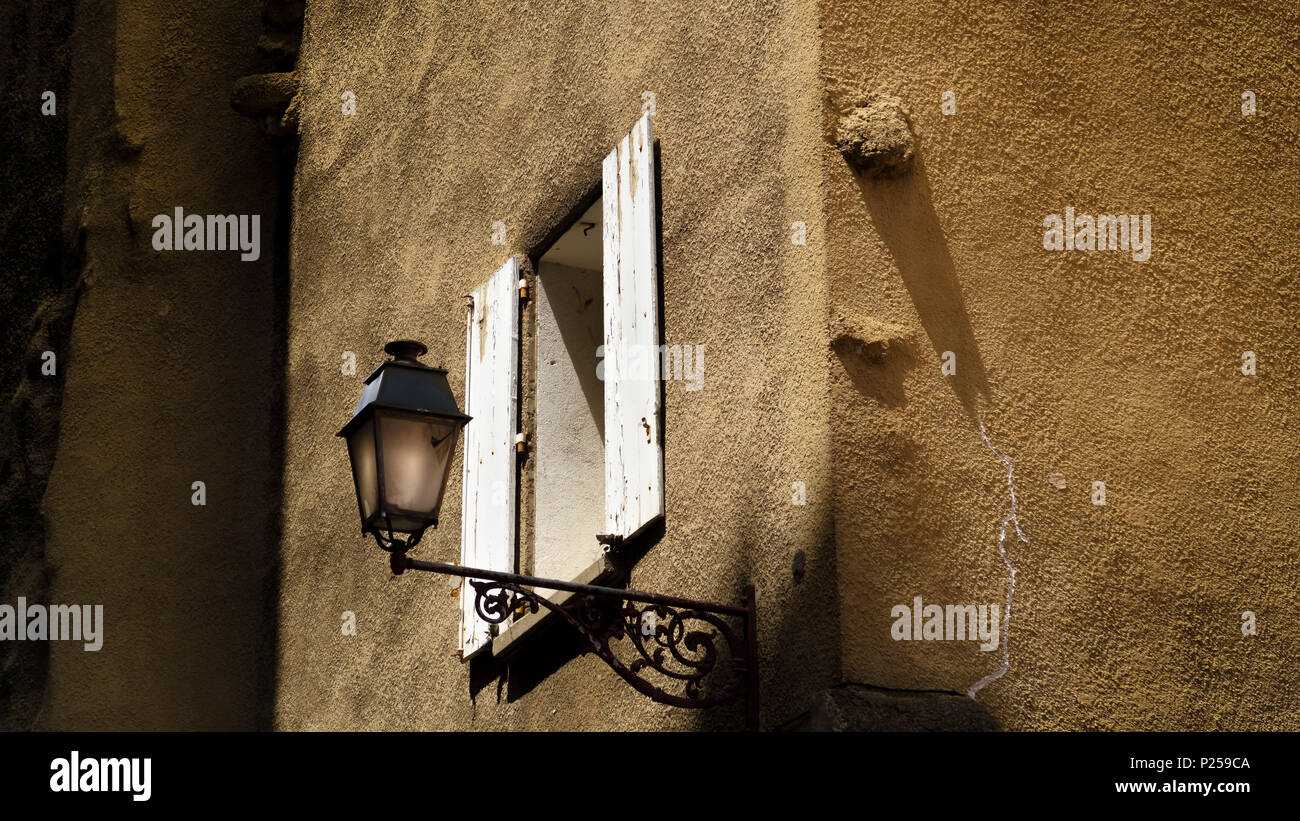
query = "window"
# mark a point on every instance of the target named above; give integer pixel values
(597, 439)
(570, 426)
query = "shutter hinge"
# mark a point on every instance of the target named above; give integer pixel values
(521, 443)
(523, 289)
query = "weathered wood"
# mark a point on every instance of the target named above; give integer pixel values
(633, 441)
(488, 496)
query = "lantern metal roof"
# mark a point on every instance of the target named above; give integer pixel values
(404, 383)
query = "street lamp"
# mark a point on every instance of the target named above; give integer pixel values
(400, 441)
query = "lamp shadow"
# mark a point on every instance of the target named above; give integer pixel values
(902, 211)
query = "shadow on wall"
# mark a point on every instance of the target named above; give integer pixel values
(268, 646)
(902, 210)
(39, 289)
(856, 708)
(576, 316)
(554, 643)
(799, 632)
(877, 367)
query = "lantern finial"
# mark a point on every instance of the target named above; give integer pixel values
(406, 350)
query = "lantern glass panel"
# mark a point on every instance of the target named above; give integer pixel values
(361, 449)
(416, 453)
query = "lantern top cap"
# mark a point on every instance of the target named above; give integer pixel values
(406, 351)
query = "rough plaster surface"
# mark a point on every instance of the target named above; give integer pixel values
(37, 301)
(822, 361)
(392, 221)
(169, 379)
(1086, 366)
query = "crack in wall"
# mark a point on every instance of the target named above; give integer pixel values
(1010, 518)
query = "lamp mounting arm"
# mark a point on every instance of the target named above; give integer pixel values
(677, 651)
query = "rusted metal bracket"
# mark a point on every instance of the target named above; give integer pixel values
(681, 652)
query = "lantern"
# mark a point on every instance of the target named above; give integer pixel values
(400, 441)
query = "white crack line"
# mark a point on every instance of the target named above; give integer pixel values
(1011, 571)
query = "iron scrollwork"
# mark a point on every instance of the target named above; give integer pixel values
(692, 648)
(683, 645)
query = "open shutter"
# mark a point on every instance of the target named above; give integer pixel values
(487, 529)
(634, 494)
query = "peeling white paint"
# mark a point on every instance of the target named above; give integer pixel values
(1011, 518)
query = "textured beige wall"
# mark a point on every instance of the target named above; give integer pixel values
(1088, 365)
(169, 379)
(1091, 366)
(475, 113)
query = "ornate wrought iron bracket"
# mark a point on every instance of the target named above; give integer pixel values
(692, 647)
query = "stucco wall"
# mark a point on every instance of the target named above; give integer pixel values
(1087, 365)
(37, 300)
(475, 113)
(170, 379)
(1083, 366)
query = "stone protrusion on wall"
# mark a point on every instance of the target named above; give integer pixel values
(871, 337)
(279, 45)
(270, 98)
(876, 356)
(877, 137)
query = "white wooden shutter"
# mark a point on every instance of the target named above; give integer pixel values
(634, 494)
(487, 527)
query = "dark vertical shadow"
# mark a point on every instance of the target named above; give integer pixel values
(802, 640)
(902, 210)
(732, 717)
(268, 641)
(552, 644)
(659, 295)
(40, 285)
(485, 669)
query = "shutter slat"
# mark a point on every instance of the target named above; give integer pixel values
(488, 487)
